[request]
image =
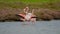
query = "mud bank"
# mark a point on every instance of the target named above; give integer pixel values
(9, 14)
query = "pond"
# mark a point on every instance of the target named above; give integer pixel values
(40, 27)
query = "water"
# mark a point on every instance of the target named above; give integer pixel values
(40, 27)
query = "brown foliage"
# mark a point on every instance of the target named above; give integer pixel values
(9, 14)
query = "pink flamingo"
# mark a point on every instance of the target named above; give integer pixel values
(28, 16)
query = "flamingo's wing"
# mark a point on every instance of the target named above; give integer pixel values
(33, 17)
(21, 15)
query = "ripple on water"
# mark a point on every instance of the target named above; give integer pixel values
(40, 27)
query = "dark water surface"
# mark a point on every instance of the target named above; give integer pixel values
(40, 27)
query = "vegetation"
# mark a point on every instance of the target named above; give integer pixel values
(44, 9)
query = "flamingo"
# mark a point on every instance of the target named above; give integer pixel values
(28, 16)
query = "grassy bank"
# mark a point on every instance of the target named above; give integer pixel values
(44, 9)
(51, 4)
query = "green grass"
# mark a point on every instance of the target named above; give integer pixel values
(54, 4)
(29, 1)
